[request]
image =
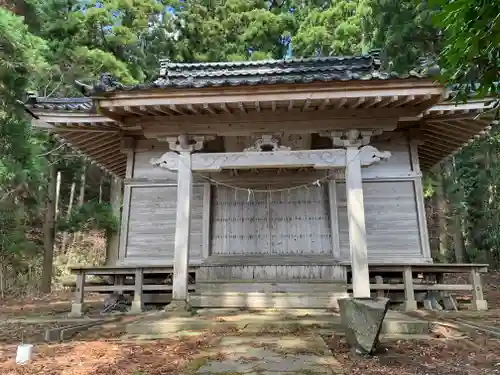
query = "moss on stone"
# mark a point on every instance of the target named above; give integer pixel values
(195, 364)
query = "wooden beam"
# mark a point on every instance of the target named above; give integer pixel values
(324, 104)
(270, 122)
(442, 139)
(112, 151)
(446, 135)
(448, 130)
(119, 162)
(272, 92)
(472, 105)
(137, 111)
(225, 108)
(339, 103)
(447, 117)
(318, 159)
(209, 109)
(161, 109)
(173, 108)
(193, 109)
(75, 137)
(97, 145)
(91, 140)
(456, 125)
(57, 117)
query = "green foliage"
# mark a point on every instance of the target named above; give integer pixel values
(21, 173)
(90, 216)
(405, 30)
(340, 29)
(230, 30)
(471, 53)
(462, 35)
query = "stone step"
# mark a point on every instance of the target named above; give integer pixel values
(394, 324)
(259, 300)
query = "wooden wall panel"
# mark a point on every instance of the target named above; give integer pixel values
(152, 220)
(391, 221)
(271, 273)
(399, 162)
(143, 168)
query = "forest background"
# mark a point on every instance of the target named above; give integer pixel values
(54, 204)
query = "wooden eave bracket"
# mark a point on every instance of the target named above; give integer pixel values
(245, 94)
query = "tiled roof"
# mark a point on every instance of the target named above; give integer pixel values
(60, 104)
(267, 72)
(319, 69)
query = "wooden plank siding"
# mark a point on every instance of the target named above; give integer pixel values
(143, 169)
(296, 223)
(398, 164)
(392, 227)
(151, 225)
(271, 273)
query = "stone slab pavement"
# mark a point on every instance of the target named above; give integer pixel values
(266, 355)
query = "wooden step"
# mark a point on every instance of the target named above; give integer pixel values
(270, 287)
(260, 300)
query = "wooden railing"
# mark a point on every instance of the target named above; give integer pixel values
(118, 274)
(431, 280)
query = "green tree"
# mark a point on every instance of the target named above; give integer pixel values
(471, 46)
(21, 172)
(405, 31)
(339, 29)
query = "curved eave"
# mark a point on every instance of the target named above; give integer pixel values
(448, 127)
(241, 100)
(97, 138)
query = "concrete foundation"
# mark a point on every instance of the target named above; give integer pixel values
(254, 322)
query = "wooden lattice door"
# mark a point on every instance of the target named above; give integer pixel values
(278, 223)
(300, 221)
(239, 222)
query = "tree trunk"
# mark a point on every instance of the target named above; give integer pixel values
(456, 220)
(81, 197)
(113, 238)
(441, 215)
(49, 231)
(58, 192)
(458, 239)
(100, 189)
(68, 214)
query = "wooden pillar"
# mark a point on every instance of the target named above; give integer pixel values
(353, 140)
(410, 302)
(357, 229)
(113, 240)
(478, 301)
(137, 303)
(182, 228)
(77, 303)
(184, 145)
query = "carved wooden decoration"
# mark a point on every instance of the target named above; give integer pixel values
(266, 143)
(318, 159)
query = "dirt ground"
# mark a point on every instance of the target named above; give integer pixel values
(99, 352)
